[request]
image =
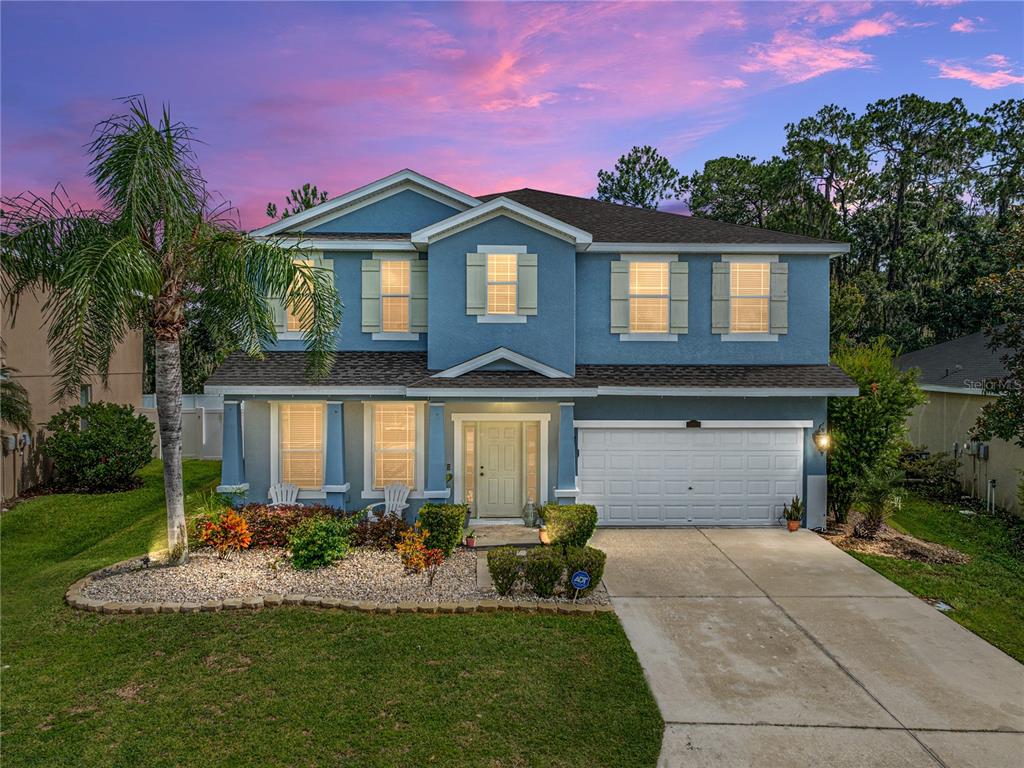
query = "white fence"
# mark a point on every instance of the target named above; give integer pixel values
(202, 424)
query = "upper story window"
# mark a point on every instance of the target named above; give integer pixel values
(648, 297)
(395, 295)
(749, 293)
(298, 322)
(502, 283)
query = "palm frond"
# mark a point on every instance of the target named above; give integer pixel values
(15, 407)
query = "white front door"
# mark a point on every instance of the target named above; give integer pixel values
(690, 476)
(499, 478)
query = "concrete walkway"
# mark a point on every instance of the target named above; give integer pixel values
(765, 648)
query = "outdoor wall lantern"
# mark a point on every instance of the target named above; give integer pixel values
(822, 439)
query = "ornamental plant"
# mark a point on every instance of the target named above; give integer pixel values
(98, 447)
(503, 564)
(794, 510)
(543, 569)
(570, 525)
(384, 533)
(433, 559)
(412, 549)
(273, 526)
(225, 531)
(320, 541)
(445, 524)
(586, 559)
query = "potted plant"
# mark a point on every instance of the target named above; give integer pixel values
(542, 534)
(793, 512)
(470, 538)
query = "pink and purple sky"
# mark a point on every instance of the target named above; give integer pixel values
(482, 96)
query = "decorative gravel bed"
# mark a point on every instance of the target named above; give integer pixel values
(365, 575)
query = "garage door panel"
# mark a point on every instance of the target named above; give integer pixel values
(690, 476)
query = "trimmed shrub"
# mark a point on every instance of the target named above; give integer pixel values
(570, 525)
(320, 541)
(443, 524)
(503, 564)
(586, 559)
(934, 476)
(383, 534)
(272, 526)
(225, 531)
(98, 447)
(543, 569)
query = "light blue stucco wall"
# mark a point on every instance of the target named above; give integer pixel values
(806, 342)
(548, 336)
(403, 212)
(348, 283)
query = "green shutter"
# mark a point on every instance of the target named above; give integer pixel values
(371, 296)
(679, 297)
(418, 296)
(526, 290)
(720, 297)
(476, 283)
(620, 297)
(778, 305)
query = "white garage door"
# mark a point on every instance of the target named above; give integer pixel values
(689, 476)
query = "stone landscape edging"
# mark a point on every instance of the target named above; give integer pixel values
(77, 599)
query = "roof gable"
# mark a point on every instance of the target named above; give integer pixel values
(501, 206)
(503, 354)
(370, 194)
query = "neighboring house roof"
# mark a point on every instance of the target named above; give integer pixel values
(962, 365)
(615, 223)
(407, 373)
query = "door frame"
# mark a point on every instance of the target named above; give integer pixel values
(459, 458)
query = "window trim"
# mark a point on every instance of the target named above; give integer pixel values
(651, 335)
(500, 250)
(383, 335)
(275, 447)
(417, 492)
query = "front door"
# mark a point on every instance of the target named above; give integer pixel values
(499, 476)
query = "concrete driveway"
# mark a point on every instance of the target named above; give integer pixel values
(766, 648)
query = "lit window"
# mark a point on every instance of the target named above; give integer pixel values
(300, 321)
(302, 444)
(394, 444)
(470, 466)
(748, 297)
(394, 295)
(648, 297)
(502, 275)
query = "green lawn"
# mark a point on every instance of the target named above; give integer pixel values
(290, 686)
(987, 594)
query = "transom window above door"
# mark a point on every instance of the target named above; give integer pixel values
(648, 296)
(749, 292)
(502, 283)
(395, 295)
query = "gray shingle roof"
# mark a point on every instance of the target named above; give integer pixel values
(956, 363)
(340, 236)
(615, 223)
(409, 369)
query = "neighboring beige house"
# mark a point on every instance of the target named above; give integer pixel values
(958, 377)
(27, 351)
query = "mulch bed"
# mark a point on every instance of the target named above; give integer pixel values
(892, 543)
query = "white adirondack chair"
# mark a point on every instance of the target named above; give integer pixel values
(283, 493)
(395, 496)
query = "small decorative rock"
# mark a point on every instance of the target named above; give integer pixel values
(252, 602)
(190, 607)
(407, 607)
(272, 601)
(233, 604)
(149, 608)
(294, 599)
(170, 608)
(211, 606)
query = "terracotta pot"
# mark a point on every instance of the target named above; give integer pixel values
(542, 534)
(793, 525)
(470, 541)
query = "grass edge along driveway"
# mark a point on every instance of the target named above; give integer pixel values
(987, 594)
(290, 686)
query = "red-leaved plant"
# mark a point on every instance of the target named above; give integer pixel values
(226, 532)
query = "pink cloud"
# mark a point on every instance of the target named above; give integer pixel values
(886, 24)
(1000, 76)
(941, 3)
(965, 25)
(796, 57)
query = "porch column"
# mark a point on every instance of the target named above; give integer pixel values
(565, 488)
(334, 459)
(437, 463)
(232, 466)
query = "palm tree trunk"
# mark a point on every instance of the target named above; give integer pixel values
(168, 406)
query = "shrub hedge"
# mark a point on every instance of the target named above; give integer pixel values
(272, 526)
(570, 525)
(444, 524)
(543, 569)
(503, 564)
(586, 559)
(98, 447)
(383, 534)
(320, 541)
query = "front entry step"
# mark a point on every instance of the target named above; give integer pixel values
(491, 536)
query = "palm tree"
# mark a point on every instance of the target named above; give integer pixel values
(160, 253)
(15, 408)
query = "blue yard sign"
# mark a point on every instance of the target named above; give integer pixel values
(580, 580)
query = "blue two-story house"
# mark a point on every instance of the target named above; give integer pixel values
(528, 346)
